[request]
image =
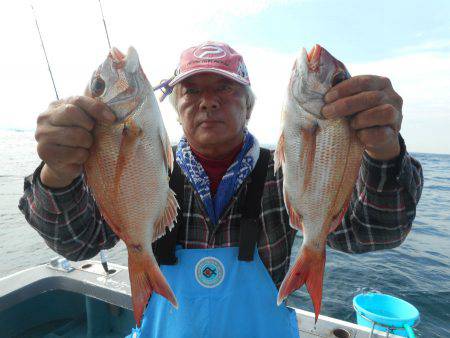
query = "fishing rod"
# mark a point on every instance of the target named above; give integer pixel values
(43, 48)
(103, 257)
(163, 86)
(104, 24)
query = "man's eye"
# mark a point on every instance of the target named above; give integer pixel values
(225, 88)
(191, 91)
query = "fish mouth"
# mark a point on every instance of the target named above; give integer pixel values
(319, 56)
(314, 58)
(127, 102)
(314, 53)
(130, 60)
(117, 57)
(117, 54)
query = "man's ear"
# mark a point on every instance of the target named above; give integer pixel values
(248, 114)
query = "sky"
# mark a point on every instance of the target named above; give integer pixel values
(407, 41)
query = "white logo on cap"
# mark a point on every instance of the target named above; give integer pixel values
(242, 70)
(210, 52)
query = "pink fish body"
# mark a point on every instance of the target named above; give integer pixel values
(320, 159)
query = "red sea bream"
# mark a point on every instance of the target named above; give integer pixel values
(320, 159)
(128, 168)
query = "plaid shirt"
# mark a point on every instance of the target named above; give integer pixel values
(380, 215)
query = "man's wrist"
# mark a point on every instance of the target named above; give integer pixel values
(390, 153)
(384, 174)
(51, 180)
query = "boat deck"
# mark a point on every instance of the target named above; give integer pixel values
(52, 300)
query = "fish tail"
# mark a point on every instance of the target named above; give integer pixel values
(308, 269)
(146, 278)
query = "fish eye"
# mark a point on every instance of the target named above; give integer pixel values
(97, 86)
(338, 78)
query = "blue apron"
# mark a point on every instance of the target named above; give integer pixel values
(219, 296)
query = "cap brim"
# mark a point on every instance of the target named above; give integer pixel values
(225, 73)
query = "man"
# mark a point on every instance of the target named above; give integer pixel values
(230, 248)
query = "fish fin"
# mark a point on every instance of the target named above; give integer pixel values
(308, 152)
(113, 225)
(308, 269)
(278, 157)
(130, 135)
(104, 199)
(167, 218)
(296, 220)
(146, 278)
(338, 218)
(167, 149)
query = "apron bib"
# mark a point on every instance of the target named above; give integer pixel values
(219, 296)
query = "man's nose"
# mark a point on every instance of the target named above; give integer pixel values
(209, 101)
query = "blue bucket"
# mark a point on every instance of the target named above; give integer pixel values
(387, 311)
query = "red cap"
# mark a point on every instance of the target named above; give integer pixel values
(211, 57)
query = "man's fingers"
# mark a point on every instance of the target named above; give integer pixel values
(355, 85)
(65, 136)
(353, 104)
(95, 108)
(376, 137)
(69, 115)
(58, 156)
(383, 115)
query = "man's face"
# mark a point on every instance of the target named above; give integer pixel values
(212, 110)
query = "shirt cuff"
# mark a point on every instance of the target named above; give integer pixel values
(384, 175)
(55, 200)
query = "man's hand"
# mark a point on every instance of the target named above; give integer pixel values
(64, 137)
(374, 109)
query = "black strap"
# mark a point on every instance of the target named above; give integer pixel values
(164, 248)
(251, 208)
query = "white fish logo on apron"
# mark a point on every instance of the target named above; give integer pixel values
(209, 272)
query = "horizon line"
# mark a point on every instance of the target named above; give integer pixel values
(268, 145)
